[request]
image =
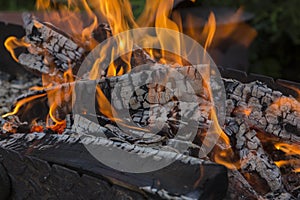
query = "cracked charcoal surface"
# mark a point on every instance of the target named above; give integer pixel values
(64, 52)
(270, 110)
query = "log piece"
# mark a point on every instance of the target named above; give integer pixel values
(269, 110)
(254, 158)
(52, 50)
(46, 39)
(178, 101)
(185, 178)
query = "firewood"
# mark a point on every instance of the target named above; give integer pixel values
(239, 188)
(269, 110)
(46, 39)
(185, 178)
(34, 63)
(253, 158)
(51, 49)
(151, 104)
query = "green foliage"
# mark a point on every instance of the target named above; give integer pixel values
(137, 6)
(275, 51)
(12, 5)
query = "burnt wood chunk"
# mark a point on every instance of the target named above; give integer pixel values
(52, 50)
(48, 41)
(269, 110)
(185, 178)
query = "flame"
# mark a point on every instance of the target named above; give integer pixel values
(69, 17)
(286, 103)
(226, 157)
(292, 87)
(210, 29)
(35, 127)
(230, 28)
(103, 103)
(247, 111)
(292, 162)
(118, 14)
(297, 170)
(289, 149)
(11, 43)
(224, 154)
(21, 103)
(57, 96)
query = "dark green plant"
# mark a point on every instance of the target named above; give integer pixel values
(275, 51)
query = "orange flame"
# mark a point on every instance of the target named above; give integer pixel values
(225, 157)
(21, 103)
(292, 162)
(69, 17)
(210, 29)
(11, 43)
(296, 89)
(119, 15)
(289, 149)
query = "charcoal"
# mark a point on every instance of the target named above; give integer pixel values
(50, 48)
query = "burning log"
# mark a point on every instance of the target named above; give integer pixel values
(47, 42)
(143, 101)
(254, 107)
(268, 110)
(53, 51)
(254, 160)
(241, 129)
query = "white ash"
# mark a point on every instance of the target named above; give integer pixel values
(10, 89)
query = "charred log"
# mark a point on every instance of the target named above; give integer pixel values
(52, 51)
(179, 180)
(46, 40)
(269, 110)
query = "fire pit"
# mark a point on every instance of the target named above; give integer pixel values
(101, 121)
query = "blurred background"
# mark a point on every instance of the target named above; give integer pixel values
(265, 39)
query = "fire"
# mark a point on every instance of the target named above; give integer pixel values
(225, 157)
(69, 16)
(296, 89)
(210, 29)
(56, 96)
(289, 149)
(21, 103)
(284, 103)
(120, 18)
(12, 43)
(292, 162)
